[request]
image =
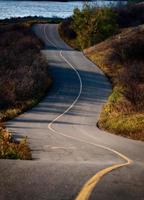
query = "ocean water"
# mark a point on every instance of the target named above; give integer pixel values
(10, 9)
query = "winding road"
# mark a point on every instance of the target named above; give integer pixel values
(72, 158)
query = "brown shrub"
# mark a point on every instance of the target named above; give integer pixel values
(132, 80)
(131, 15)
(11, 149)
(23, 72)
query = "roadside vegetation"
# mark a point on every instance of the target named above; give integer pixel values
(89, 26)
(122, 59)
(120, 54)
(29, 20)
(12, 149)
(24, 80)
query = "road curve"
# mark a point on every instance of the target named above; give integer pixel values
(70, 154)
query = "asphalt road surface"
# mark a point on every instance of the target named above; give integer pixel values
(72, 158)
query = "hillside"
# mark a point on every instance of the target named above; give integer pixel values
(113, 39)
(121, 57)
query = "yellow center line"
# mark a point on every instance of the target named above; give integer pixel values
(88, 187)
(92, 182)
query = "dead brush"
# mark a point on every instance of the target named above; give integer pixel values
(11, 149)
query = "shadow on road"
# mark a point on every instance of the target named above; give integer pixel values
(62, 94)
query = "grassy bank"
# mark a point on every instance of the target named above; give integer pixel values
(24, 80)
(122, 59)
(120, 54)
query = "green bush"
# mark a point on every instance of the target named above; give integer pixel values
(93, 25)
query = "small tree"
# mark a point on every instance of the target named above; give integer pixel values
(93, 24)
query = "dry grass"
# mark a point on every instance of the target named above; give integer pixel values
(11, 149)
(122, 59)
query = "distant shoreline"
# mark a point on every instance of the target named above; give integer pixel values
(47, 8)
